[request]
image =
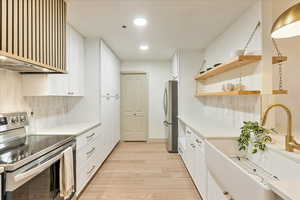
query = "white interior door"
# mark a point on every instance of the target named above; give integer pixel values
(134, 107)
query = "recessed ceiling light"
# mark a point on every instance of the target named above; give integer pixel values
(140, 21)
(3, 57)
(144, 47)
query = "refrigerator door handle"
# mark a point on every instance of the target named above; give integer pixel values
(165, 102)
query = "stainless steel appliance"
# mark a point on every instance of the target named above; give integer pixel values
(31, 162)
(171, 111)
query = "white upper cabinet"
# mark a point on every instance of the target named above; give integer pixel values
(75, 62)
(110, 71)
(70, 84)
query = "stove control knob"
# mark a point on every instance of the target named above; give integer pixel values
(22, 118)
(13, 120)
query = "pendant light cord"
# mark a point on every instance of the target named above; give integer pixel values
(279, 64)
(251, 37)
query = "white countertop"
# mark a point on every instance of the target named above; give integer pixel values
(288, 190)
(211, 130)
(69, 129)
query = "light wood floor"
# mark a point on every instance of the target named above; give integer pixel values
(141, 171)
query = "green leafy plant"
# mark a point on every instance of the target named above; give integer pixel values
(254, 134)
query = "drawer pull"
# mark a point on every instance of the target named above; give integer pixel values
(92, 135)
(91, 151)
(91, 170)
(198, 141)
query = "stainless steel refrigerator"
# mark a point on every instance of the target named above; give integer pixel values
(170, 104)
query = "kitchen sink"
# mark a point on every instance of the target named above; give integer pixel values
(246, 176)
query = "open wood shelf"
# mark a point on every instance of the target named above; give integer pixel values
(280, 92)
(279, 59)
(246, 92)
(232, 93)
(237, 62)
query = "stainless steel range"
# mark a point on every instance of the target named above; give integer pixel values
(31, 162)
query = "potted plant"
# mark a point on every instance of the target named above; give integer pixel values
(254, 135)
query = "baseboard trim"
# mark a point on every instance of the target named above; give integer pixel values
(156, 140)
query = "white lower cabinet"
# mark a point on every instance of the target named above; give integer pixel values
(214, 192)
(92, 148)
(193, 157)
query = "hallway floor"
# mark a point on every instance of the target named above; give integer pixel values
(141, 171)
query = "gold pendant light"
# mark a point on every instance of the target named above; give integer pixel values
(288, 23)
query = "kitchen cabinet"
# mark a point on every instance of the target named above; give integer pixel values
(70, 84)
(75, 62)
(92, 148)
(193, 156)
(200, 167)
(32, 36)
(102, 103)
(214, 191)
(110, 93)
(87, 159)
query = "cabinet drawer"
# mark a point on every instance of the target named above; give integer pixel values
(199, 143)
(86, 154)
(87, 138)
(84, 175)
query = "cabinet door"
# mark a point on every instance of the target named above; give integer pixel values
(200, 168)
(214, 192)
(75, 62)
(190, 151)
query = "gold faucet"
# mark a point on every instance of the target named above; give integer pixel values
(290, 143)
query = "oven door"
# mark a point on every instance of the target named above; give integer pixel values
(38, 180)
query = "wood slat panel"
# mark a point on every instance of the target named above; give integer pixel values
(9, 21)
(3, 25)
(35, 31)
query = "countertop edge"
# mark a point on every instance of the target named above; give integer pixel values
(82, 131)
(276, 189)
(198, 132)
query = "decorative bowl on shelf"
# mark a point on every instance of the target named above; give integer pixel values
(216, 65)
(228, 87)
(239, 87)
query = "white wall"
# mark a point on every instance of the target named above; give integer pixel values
(158, 73)
(291, 70)
(48, 111)
(227, 111)
(235, 37)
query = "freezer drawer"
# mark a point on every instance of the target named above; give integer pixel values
(172, 137)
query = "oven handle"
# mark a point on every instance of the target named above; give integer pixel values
(36, 170)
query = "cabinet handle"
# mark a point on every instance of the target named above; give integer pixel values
(91, 151)
(91, 170)
(88, 137)
(198, 141)
(70, 93)
(225, 193)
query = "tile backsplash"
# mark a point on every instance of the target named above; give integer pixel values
(48, 111)
(11, 99)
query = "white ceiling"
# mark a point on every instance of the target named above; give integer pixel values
(172, 24)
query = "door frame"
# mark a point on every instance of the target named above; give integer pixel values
(147, 100)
